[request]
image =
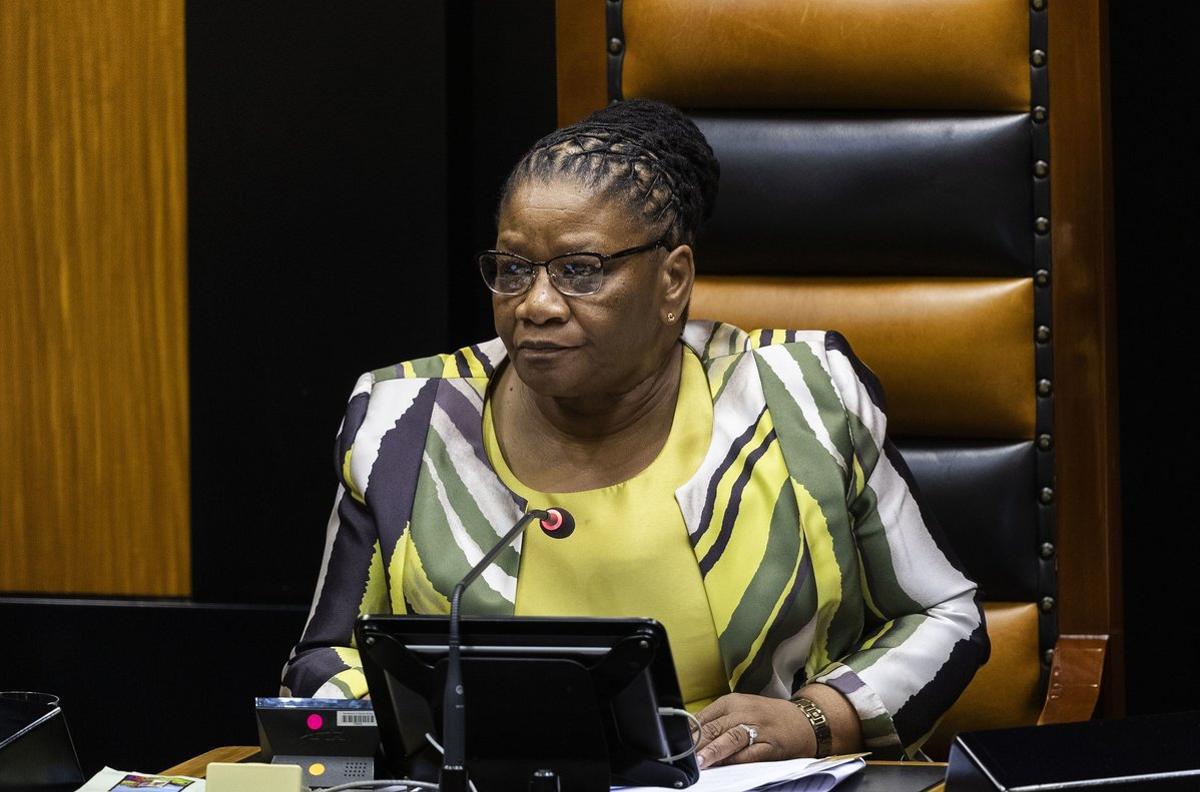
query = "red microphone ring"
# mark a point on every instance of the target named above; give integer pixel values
(555, 522)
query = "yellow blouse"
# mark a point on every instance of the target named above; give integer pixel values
(630, 554)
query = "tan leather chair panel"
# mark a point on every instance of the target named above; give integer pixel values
(955, 354)
(1007, 690)
(911, 54)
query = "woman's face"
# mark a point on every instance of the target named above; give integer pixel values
(602, 343)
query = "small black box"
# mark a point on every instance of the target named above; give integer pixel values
(1155, 752)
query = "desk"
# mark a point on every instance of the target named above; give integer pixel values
(897, 777)
(197, 766)
(878, 777)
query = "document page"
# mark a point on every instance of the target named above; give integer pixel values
(789, 775)
(109, 780)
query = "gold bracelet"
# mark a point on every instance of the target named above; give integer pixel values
(820, 725)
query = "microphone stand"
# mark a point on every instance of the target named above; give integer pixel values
(453, 776)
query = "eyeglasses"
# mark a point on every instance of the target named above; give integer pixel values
(573, 274)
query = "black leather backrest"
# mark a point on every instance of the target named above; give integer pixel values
(907, 178)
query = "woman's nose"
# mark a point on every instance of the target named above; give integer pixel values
(542, 303)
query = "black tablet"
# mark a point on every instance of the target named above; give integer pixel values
(581, 697)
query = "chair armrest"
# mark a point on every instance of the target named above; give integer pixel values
(1075, 674)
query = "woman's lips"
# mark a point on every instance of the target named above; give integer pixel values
(542, 349)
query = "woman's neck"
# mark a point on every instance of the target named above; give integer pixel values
(605, 415)
(595, 441)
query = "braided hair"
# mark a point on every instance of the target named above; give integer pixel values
(643, 152)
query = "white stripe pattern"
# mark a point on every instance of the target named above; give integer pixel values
(390, 399)
(902, 671)
(815, 341)
(788, 370)
(737, 409)
(363, 385)
(921, 568)
(487, 490)
(697, 335)
(788, 658)
(855, 398)
(497, 579)
(493, 351)
(329, 691)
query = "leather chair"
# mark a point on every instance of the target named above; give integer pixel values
(886, 172)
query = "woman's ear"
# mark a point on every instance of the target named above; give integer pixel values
(678, 276)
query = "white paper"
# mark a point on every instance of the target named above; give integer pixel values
(788, 775)
(824, 780)
(109, 780)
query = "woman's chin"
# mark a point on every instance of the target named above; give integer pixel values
(552, 381)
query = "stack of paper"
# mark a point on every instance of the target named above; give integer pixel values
(789, 775)
(122, 781)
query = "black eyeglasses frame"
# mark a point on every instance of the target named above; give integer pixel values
(604, 258)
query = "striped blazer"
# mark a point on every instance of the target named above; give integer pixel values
(849, 582)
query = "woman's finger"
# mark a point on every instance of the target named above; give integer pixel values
(723, 746)
(759, 752)
(714, 710)
(714, 728)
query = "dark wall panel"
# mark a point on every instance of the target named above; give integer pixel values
(317, 249)
(1156, 123)
(147, 684)
(343, 164)
(511, 103)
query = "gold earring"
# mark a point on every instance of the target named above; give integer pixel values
(670, 317)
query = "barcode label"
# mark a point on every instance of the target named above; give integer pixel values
(355, 718)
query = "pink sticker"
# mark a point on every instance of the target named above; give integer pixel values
(315, 722)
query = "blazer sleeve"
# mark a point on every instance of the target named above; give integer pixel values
(325, 663)
(925, 636)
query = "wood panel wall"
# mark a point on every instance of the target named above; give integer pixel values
(93, 342)
(1085, 332)
(581, 58)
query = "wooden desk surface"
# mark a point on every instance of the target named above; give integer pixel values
(197, 766)
(938, 788)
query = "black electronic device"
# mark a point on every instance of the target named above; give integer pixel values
(1153, 752)
(36, 751)
(580, 697)
(332, 740)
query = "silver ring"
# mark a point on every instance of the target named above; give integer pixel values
(750, 730)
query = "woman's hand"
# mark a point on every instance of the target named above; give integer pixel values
(782, 731)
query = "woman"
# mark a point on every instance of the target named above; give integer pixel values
(737, 487)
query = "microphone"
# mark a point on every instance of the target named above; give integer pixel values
(556, 523)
